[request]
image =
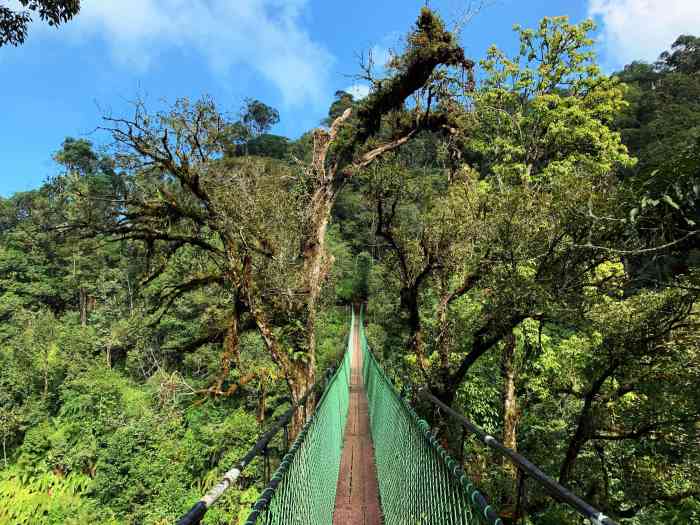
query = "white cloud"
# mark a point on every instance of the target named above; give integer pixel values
(642, 29)
(358, 91)
(265, 35)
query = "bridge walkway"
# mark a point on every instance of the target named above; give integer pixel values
(357, 495)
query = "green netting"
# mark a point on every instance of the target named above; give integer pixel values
(419, 483)
(302, 490)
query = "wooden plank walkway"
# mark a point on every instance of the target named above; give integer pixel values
(357, 496)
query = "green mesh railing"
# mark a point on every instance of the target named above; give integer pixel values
(419, 483)
(302, 490)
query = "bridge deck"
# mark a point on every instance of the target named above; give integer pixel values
(357, 496)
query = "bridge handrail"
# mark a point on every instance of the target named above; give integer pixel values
(475, 499)
(272, 506)
(264, 500)
(199, 509)
(555, 489)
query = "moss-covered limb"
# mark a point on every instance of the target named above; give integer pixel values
(430, 46)
(404, 128)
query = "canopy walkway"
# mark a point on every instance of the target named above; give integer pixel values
(364, 457)
(357, 493)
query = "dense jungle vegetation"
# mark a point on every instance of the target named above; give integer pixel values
(523, 229)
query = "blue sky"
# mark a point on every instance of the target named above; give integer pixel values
(291, 54)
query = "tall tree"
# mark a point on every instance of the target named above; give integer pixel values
(261, 225)
(511, 221)
(526, 229)
(259, 117)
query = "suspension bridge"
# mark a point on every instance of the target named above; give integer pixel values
(364, 457)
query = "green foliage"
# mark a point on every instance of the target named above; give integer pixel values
(155, 300)
(531, 238)
(259, 117)
(343, 101)
(49, 499)
(14, 23)
(266, 145)
(661, 126)
(547, 110)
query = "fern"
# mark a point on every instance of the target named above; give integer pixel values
(48, 499)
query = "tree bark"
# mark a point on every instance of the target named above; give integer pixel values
(316, 266)
(409, 302)
(443, 344)
(231, 352)
(299, 383)
(585, 427)
(511, 416)
(262, 404)
(510, 402)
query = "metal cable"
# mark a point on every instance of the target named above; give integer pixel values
(525, 467)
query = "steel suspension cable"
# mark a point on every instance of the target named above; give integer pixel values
(556, 490)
